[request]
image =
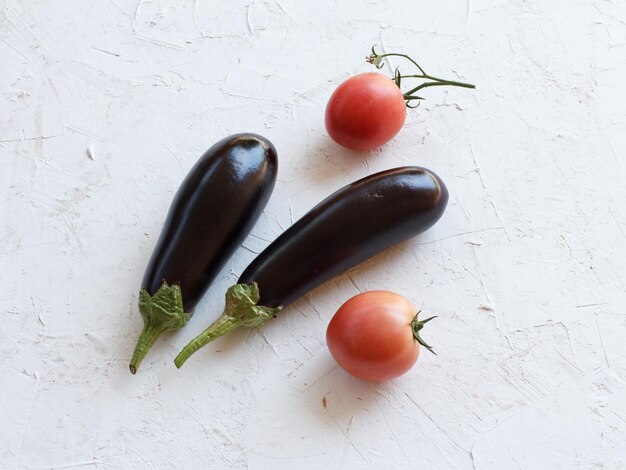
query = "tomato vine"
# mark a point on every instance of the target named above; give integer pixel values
(377, 61)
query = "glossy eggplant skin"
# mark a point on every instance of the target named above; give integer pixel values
(345, 229)
(213, 211)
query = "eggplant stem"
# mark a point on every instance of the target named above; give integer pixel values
(147, 338)
(219, 327)
(241, 311)
(161, 312)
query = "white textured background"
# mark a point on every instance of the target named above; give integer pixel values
(526, 270)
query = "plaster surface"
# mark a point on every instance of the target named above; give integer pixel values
(104, 107)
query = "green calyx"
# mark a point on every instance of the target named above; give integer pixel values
(161, 312)
(241, 311)
(416, 326)
(376, 60)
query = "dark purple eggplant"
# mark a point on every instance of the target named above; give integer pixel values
(213, 211)
(345, 229)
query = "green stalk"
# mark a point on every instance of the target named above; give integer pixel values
(241, 311)
(376, 59)
(161, 312)
(438, 83)
(147, 338)
(416, 326)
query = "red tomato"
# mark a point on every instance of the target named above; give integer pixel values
(365, 112)
(375, 336)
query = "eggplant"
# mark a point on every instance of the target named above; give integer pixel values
(345, 229)
(213, 211)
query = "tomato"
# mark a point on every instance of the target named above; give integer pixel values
(365, 112)
(375, 335)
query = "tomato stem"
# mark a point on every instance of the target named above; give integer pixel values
(416, 326)
(376, 59)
